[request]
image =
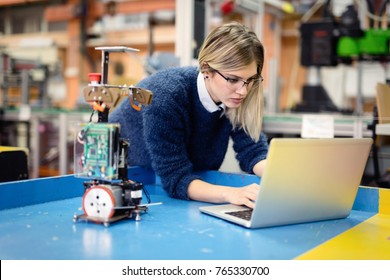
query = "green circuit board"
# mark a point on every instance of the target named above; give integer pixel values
(100, 150)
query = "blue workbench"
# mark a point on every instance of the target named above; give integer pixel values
(36, 222)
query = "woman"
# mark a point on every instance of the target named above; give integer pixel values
(193, 113)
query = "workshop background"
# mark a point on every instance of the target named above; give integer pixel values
(324, 61)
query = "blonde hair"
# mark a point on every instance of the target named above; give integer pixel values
(230, 47)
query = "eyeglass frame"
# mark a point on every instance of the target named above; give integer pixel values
(244, 83)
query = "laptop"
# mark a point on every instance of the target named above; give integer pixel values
(305, 180)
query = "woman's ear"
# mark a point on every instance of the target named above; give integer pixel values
(205, 73)
(205, 68)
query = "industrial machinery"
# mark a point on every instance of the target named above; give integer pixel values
(101, 154)
(328, 41)
(23, 82)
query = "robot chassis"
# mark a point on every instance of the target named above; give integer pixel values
(101, 155)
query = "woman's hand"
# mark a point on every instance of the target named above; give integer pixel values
(243, 196)
(203, 191)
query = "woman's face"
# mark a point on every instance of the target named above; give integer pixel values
(231, 87)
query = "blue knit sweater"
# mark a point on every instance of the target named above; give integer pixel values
(176, 136)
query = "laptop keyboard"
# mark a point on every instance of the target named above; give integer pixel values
(243, 214)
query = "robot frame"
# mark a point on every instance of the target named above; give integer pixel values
(101, 155)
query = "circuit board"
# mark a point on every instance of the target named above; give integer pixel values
(99, 158)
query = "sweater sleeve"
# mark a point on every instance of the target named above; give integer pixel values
(166, 130)
(248, 152)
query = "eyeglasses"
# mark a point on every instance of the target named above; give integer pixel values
(236, 84)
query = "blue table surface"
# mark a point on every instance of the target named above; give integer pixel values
(173, 230)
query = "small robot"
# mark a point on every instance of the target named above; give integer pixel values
(101, 154)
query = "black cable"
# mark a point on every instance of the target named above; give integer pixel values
(147, 194)
(90, 118)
